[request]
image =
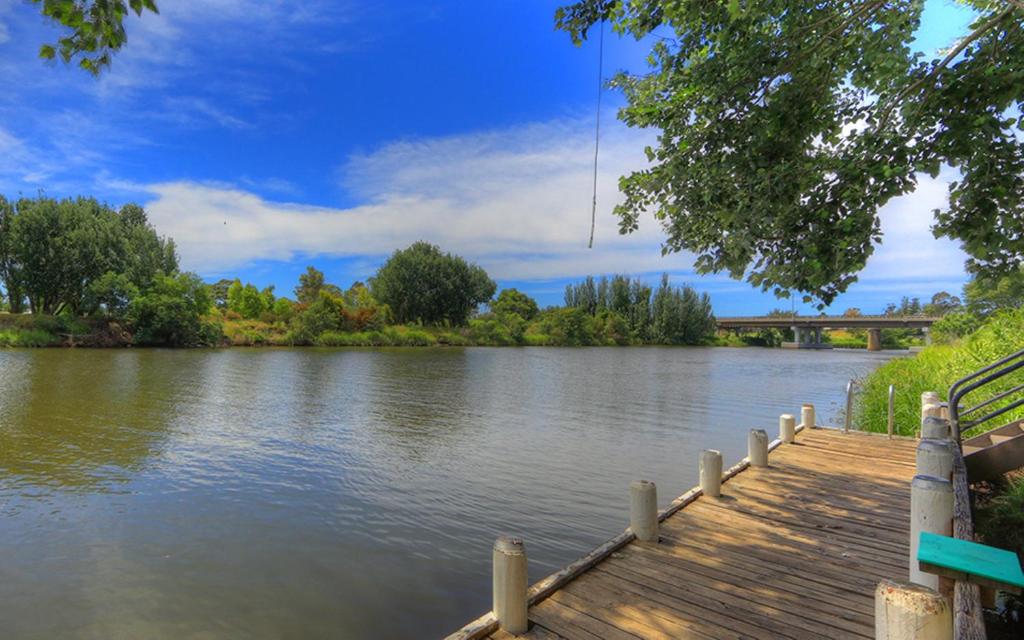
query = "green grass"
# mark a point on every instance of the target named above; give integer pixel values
(27, 338)
(936, 368)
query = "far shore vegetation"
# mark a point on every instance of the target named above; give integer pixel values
(76, 272)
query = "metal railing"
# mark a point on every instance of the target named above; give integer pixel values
(977, 380)
(892, 410)
(849, 406)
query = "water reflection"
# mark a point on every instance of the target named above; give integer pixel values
(82, 421)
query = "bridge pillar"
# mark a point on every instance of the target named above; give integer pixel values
(927, 336)
(874, 339)
(797, 337)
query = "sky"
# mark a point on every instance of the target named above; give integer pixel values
(268, 135)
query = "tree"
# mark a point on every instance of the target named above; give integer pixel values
(942, 303)
(51, 251)
(111, 294)
(784, 126)
(10, 269)
(517, 302)
(310, 284)
(95, 29)
(987, 295)
(171, 313)
(423, 284)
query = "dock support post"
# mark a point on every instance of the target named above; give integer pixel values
(935, 458)
(757, 448)
(510, 583)
(643, 510)
(711, 473)
(911, 612)
(807, 416)
(931, 510)
(787, 428)
(935, 428)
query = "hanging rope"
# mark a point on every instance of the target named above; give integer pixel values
(597, 131)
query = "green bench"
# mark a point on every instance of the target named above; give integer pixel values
(970, 562)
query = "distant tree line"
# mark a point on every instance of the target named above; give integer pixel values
(80, 266)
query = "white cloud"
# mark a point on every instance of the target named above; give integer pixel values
(516, 200)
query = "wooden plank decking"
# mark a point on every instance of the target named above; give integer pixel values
(794, 550)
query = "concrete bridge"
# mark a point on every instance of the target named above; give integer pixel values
(807, 329)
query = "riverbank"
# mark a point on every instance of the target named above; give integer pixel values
(37, 331)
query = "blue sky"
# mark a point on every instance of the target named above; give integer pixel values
(266, 135)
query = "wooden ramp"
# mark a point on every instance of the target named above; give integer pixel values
(793, 550)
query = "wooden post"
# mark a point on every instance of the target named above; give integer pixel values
(935, 458)
(711, 473)
(643, 510)
(787, 428)
(807, 416)
(931, 510)
(911, 612)
(931, 410)
(757, 448)
(935, 428)
(510, 583)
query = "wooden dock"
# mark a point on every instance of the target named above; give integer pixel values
(792, 550)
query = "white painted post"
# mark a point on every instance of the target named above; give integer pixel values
(929, 397)
(757, 448)
(711, 473)
(935, 428)
(935, 458)
(911, 612)
(931, 510)
(787, 428)
(807, 416)
(931, 410)
(510, 583)
(643, 510)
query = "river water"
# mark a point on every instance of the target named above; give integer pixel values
(307, 493)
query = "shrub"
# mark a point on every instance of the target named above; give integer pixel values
(936, 368)
(172, 314)
(1000, 523)
(27, 338)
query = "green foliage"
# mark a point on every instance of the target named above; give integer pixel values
(310, 284)
(936, 368)
(783, 127)
(247, 301)
(639, 315)
(517, 302)
(492, 331)
(52, 251)
(423, 285)
(95, 29)
(111, 294)
(954, 326)
(986, 295)
(1000, 523)
(27, 338)
(324, 315)
(283, 309)
(171, 313)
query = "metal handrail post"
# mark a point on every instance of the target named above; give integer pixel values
(849, 406)
(892, 409)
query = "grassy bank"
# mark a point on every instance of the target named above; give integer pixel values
(935, 368)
